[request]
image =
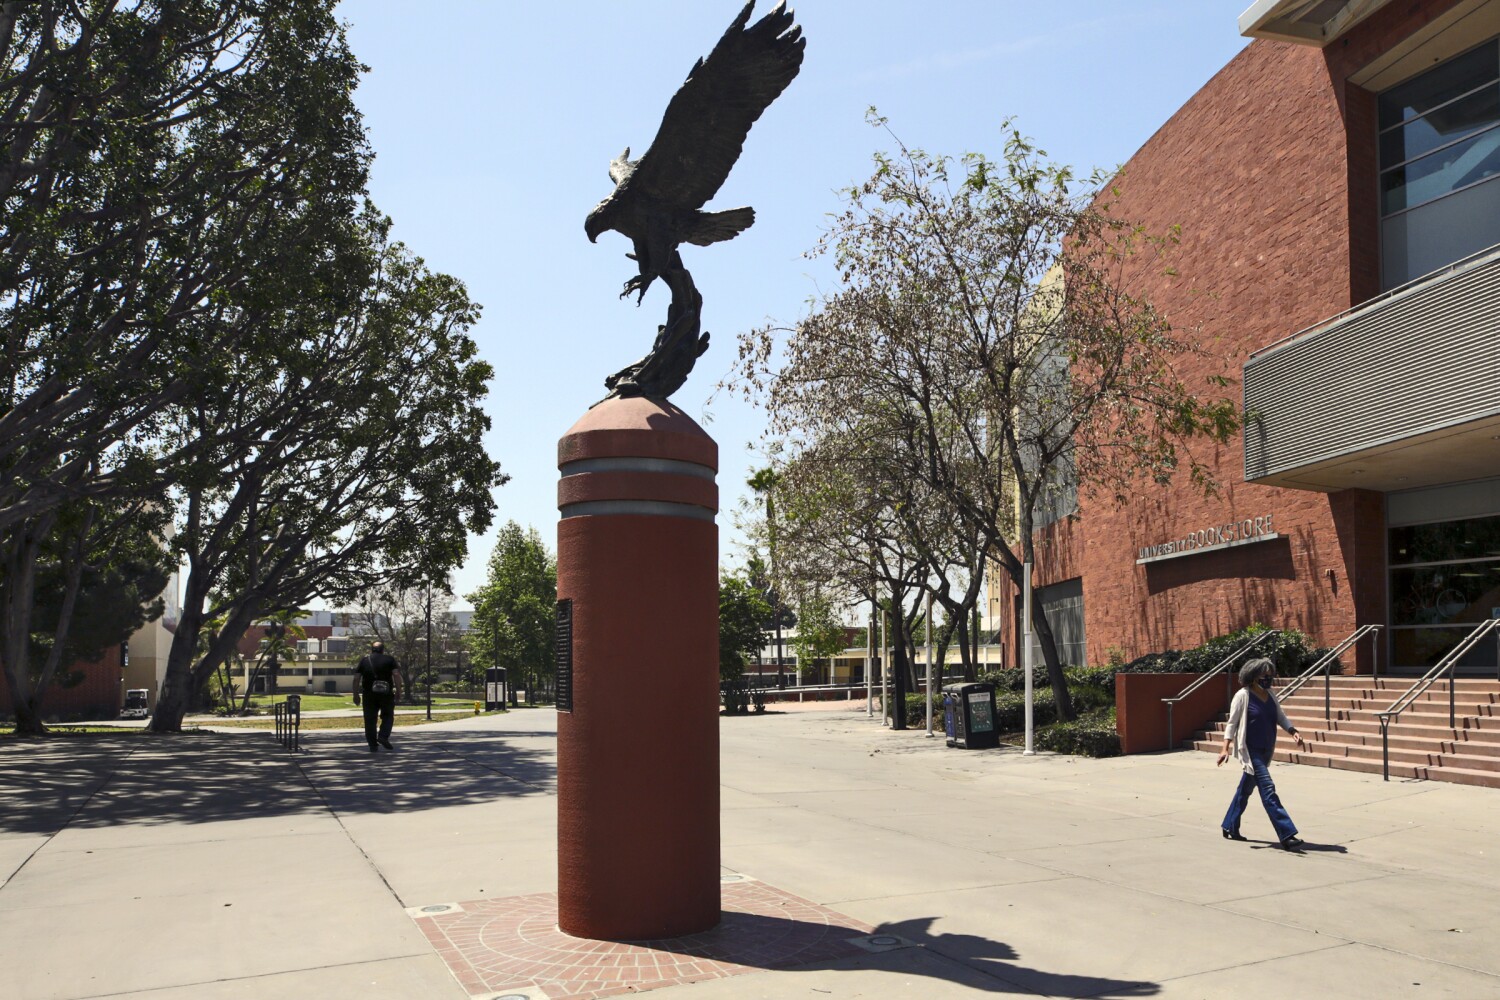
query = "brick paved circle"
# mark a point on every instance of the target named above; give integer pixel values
(500, 945)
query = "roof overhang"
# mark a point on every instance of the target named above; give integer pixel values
(1305, 22)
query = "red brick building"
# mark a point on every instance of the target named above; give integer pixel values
(97, 694)
(1338, 189)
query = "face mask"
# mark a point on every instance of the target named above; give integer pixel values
(1265, 682)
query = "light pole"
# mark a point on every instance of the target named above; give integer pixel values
(1026, 655)
(870, 663)
(927, 653)
(428, 669)
(885, 695)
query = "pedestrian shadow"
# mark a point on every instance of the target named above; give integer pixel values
(1306, 847)
(212, 778)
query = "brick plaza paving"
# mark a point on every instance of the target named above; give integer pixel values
(858, 863)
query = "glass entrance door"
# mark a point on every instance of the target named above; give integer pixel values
(1444, 580)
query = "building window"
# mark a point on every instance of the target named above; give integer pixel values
(1439, 166)
(1445, 580)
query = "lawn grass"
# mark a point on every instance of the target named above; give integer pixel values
(325, 702)
(65, 729)
(348, 722)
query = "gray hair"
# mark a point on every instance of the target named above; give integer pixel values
(1253, 669)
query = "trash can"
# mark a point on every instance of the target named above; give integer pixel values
(969, 716)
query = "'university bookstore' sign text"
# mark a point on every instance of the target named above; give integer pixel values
(1219, 536)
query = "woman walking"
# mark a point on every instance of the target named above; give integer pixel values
(1250, 735)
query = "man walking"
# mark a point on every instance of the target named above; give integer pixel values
(380, 685)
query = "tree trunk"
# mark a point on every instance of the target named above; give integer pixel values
(172, 699)
(1054, 664)
(186, 671)
(974, 657)
(965, 662)
(1015, 569)
(898, 643)
(18, 588)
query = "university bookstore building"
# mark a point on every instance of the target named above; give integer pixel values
(1338, 189)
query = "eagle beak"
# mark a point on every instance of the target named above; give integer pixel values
(594, 225)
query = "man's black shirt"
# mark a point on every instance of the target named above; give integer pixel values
(374, 667)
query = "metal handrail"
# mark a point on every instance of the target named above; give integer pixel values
(1444, 666)
(1324, 665)
(1204, 678)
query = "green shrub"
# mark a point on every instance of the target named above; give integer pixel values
(1010, 710)
(1290, 651)
(1092, 688)
(1014, 679)
(916, 710)
(1088, 736)
(736, 698)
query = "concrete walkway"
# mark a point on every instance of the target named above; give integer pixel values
(217, 866)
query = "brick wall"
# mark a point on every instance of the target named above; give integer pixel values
(97, 696)
(1270, 172)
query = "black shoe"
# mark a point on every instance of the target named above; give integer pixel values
(1231, 834)
(1292, 843)
(372, 748)
(385, 742)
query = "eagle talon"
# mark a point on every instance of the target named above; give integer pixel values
(636, 284)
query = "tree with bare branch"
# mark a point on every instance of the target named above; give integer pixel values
(985, 321)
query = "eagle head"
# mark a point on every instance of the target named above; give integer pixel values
(598, 221)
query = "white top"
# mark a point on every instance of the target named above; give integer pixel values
(1234, 731)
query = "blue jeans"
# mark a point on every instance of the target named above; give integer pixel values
(1260, 779)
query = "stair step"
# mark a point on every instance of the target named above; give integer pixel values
(1464, 776)
(1465, 700)
(1429, 757)
(1422, 744)
(1447, 746)
(1480, 730)
(1403, 683)
(1401, 729)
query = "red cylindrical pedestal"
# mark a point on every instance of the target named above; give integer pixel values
(638, 754)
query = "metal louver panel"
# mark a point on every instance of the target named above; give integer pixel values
(1423, 359)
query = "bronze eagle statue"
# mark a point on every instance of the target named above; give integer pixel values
(658, 199)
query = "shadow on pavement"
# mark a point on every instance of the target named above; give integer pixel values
(431, 771)
(111, 780)
(997, 959)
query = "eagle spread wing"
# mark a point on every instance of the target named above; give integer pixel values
(705, 125)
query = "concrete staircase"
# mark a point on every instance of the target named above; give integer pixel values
(1423, 745)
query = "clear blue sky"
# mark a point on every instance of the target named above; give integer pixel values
(494, 121)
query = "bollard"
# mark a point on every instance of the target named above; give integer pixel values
(638, 684)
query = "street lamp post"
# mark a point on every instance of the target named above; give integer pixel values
(428, 670)
(927, 653)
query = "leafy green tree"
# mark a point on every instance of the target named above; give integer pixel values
(281, 635)
(515, 610)
(171, 172)
(763, 484)
(99, 576)
(820, 635)
(180, 217)
(371, 471)
(743, 613)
